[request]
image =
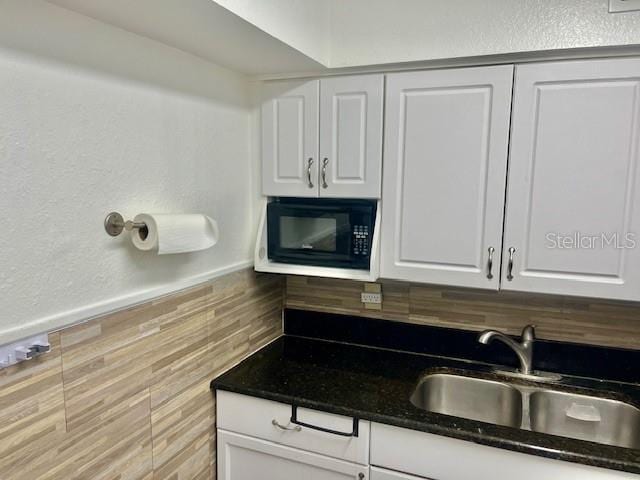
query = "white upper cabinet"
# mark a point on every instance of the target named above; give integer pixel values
(290, 139)
(573, 202)
(445, 154)
(351, 136)
(572, 213)
(323, 137)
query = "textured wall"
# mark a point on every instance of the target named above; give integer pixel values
(581, 320)
(215, 33)
(366, 32)
(96, 119)
(126, 396)
(353, 33)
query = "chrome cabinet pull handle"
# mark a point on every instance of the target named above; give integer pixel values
(309, 163)
(510, 268)
(275, 423)
(490, 263)
(325, 162)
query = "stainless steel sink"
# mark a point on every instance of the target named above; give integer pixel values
(530, 407)
(584, 417)
(472, 398)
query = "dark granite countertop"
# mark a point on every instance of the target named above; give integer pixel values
(375, 384)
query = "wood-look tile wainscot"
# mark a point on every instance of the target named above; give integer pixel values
(571, 319)
(126, 396)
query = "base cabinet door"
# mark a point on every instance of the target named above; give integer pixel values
(445, 163)
(246, 458)
(382, 474)
(573, 200)
(436, 457)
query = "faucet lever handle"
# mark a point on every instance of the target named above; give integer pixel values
(529, 333)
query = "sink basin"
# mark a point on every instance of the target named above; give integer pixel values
(586, 418)
(472, 398)
(530, 407)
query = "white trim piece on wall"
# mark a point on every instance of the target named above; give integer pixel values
(89, 312)
(617, 6)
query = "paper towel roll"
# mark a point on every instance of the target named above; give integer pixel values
(175, 233)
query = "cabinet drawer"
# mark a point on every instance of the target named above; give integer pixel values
(444, 458)
(255, 417)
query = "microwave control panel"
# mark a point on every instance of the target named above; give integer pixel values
(361, 240)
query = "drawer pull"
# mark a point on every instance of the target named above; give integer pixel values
(294, 419)
(275, 423)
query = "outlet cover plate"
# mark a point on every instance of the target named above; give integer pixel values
(368, 297)
(616, 6)
(8, 354)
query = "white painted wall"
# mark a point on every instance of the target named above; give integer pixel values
(369, 32)
(302, 24)
(215, 33)
(94, 119)
(289, 37)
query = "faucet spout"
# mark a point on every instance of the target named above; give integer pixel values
(524, 349)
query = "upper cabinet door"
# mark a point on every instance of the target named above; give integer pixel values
(573, 201)
(446, 138)
(290, 139)
(351, 136)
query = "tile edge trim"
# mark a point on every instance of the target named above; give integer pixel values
(89, 312)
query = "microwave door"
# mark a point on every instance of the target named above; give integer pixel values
(309, 236)
(313, 234)
(325, 238)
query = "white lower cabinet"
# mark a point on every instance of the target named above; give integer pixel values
(382, 474)
(263, 440)
(442, 458)
(271, 421)
(258, 440)
(245, 458)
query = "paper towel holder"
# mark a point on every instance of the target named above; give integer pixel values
(114, 224)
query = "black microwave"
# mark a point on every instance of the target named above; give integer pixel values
(321, 232)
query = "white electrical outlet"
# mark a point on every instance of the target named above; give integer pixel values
(367, 297)
(24, 350)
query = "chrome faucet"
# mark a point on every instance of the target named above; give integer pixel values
(524, 349)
